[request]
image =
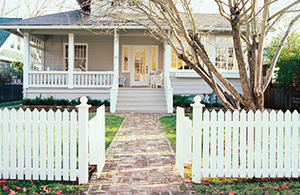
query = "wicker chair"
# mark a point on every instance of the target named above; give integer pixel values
(157, 79)
(122, 80)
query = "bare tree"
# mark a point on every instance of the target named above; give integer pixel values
(6, 9)
(250, 25)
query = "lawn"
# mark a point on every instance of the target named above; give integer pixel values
(112, 124)
(231, 185)
(6, 104)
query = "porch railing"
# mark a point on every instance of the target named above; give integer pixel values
(60, 79)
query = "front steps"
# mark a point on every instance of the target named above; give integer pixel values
(141, 100)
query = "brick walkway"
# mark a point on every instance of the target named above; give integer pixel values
(139, 161)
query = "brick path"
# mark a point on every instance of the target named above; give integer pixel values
(139, 161)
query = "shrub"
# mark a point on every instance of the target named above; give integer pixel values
(182, 101)
(27, 101)
(106, 103)
(74, 102)
(94, 102)
(62, 102)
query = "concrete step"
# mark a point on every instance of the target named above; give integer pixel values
(141, 100)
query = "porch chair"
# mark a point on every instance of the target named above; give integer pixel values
(157, 79)
(122, 80)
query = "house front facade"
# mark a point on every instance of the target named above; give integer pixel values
(75, 61)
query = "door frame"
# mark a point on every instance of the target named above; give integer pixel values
(131, 65)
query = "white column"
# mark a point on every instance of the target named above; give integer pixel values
(168, 54)
(26, 63)
(71, 60)
(116, 57)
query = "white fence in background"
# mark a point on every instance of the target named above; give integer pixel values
(46, 145)
(237, 144)
(61, 79)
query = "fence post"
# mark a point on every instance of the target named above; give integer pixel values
(83, 113)
(197, 129)
(179, 140)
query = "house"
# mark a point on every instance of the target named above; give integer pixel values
(77, 62)
(11, 47)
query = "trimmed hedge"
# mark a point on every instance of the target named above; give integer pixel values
(50, 101)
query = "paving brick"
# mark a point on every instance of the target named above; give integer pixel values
(140, 161)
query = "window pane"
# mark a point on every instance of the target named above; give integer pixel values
(230, 58)
(125, 58)
(221, 58)
(154, 56)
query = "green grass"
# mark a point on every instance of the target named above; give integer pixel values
(112, 124)
(6, 104)
(233, 185)
(40, 187)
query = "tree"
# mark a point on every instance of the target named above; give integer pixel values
(250, 24)
(288, 64)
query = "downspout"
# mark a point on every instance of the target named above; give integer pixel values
(19, 31)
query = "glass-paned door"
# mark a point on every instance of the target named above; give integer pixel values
(140, 70)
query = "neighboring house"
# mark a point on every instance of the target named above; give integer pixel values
(96, 61)
(11, 46)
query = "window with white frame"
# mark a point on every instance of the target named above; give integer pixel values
(80, 56)
(36, 53)
(225, 54)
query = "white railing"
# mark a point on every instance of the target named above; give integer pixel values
(46, 145)
(48, 79)
(169, 93)
(80, 79)
(93, 79)
(238, 144)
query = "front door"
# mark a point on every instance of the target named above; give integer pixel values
(139, 67)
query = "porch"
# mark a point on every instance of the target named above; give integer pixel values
(80, 63)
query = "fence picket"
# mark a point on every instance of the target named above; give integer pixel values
(265, 144)
(73, 147)
(27, 144)
(13, 143)
(295, 160)
(5, 144)
(228, 144)
(273, 144)
(221, 143)
(43, 142)
(35, 144)
(179, 142)
(213, 158)
(66, 156)
(280, 144)
(206, 144)
(243, 141)
(50, 127)
(258, 144)
(58, 145)
(235, 149)
(20, 144)
(250, 143)
(287, 163)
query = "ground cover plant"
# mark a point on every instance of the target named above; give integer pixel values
(231, 186)
(11, 187)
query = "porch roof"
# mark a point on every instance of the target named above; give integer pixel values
(77, 19)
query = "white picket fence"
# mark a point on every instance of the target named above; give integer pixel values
(237, 144)
(51, 146)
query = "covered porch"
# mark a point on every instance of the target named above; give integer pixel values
(76, 62)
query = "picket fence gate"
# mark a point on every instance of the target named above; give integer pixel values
(237, 144)
(51, 146)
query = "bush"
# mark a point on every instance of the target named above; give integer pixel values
(94, 102)
(27, 101)
(74, 102)
(62, 102)
(106, 103)
(183, 101)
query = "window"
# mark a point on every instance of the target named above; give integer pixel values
(80, 57)
(12, 45)
(177, 63)
(224, 53)
(36, 53)
(154, 52)
(125, 59)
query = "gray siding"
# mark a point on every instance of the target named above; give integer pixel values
(100, 51)
(196, 86)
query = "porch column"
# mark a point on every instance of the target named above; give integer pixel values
(116, 57)
(26, 63)
(71, 60)
(168, 54)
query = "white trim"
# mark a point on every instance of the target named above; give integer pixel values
(64, 50)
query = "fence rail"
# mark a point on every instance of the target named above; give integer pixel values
(238, 144)
(46, 145)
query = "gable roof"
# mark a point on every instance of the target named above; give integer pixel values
(76, 18)
(3, 34)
